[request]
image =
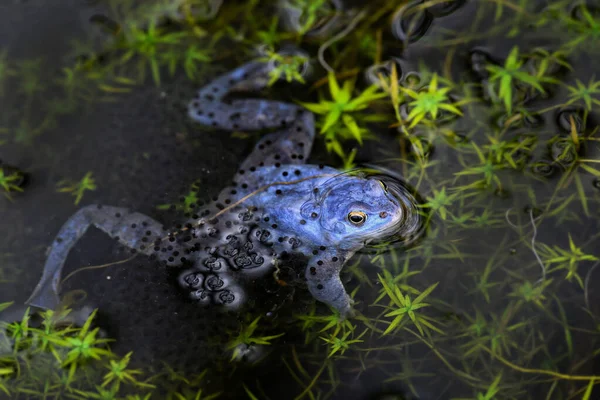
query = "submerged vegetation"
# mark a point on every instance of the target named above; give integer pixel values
(49, 356)
(498, 301)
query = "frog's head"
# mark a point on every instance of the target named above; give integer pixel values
(357, 210)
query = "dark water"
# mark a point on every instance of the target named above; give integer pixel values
(494, 318)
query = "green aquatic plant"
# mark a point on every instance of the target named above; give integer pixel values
(272, 36)
(513, 152)
(285, 66)
(529, 292)
(429, 102)
(309, 13)
(556, 259)
(486, 168)
(439, 203)
(482, 279)
(246, 338)
(401, 305)
(148, 44)
(10, 182)
(59, 359)
(586, 28)
(339, 344)
(78, 189)
(83, 347)
(338, 113)
(331, 322)
(509, 74)
(584, 94)
(18, 332)
(118, 374)
(189, 57)
(187, 203)
(492, 390)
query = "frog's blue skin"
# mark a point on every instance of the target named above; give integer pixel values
(277, 204)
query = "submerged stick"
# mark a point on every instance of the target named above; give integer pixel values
(533, 238)
(337, 37)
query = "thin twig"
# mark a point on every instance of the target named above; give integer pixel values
(96, 267)
(533, 247)
(337, 37)
(533, 238)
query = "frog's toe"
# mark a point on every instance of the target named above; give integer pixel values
(348, 311)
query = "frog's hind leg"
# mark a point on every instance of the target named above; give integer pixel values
(134, 230)
(213, 108)
(291, 144)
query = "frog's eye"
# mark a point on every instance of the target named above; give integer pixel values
(357, 217)
(383, 186)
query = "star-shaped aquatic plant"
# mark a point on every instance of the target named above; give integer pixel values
(402, 305)
(79, 188)
(338, 122)
(9, 182)
(247, 338)
(147, 44)
(585, 94)
(556, 258)
(339, 344)
(343, 104)
(429, 102)
(510, 73)
(285, 66)
(439, 202)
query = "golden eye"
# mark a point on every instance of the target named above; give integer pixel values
(357, 217)
(383, 185)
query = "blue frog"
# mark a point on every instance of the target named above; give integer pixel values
(277, 205)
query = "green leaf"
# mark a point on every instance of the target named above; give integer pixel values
(331, 119)
(352, 127)
(318, 108)
(334, 88)
(4, 306)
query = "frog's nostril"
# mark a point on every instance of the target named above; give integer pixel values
(383, 214)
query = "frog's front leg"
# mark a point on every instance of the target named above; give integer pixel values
(323, 278)
(134, 230)
(290, 144)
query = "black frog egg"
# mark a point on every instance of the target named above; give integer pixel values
(201, 295)
(564, 152)
(230, 298)
(411, 22)
(569, 119)
(190, 279)
(543, 168)
(214, 282)
(446, 7)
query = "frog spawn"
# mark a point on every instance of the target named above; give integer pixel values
(412, 20)
(222, 253)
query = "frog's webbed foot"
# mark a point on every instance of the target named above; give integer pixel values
(133, 230)
(323, 278)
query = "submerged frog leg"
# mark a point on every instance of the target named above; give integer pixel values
(134, 230)
(291, 144)
(323, 278)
